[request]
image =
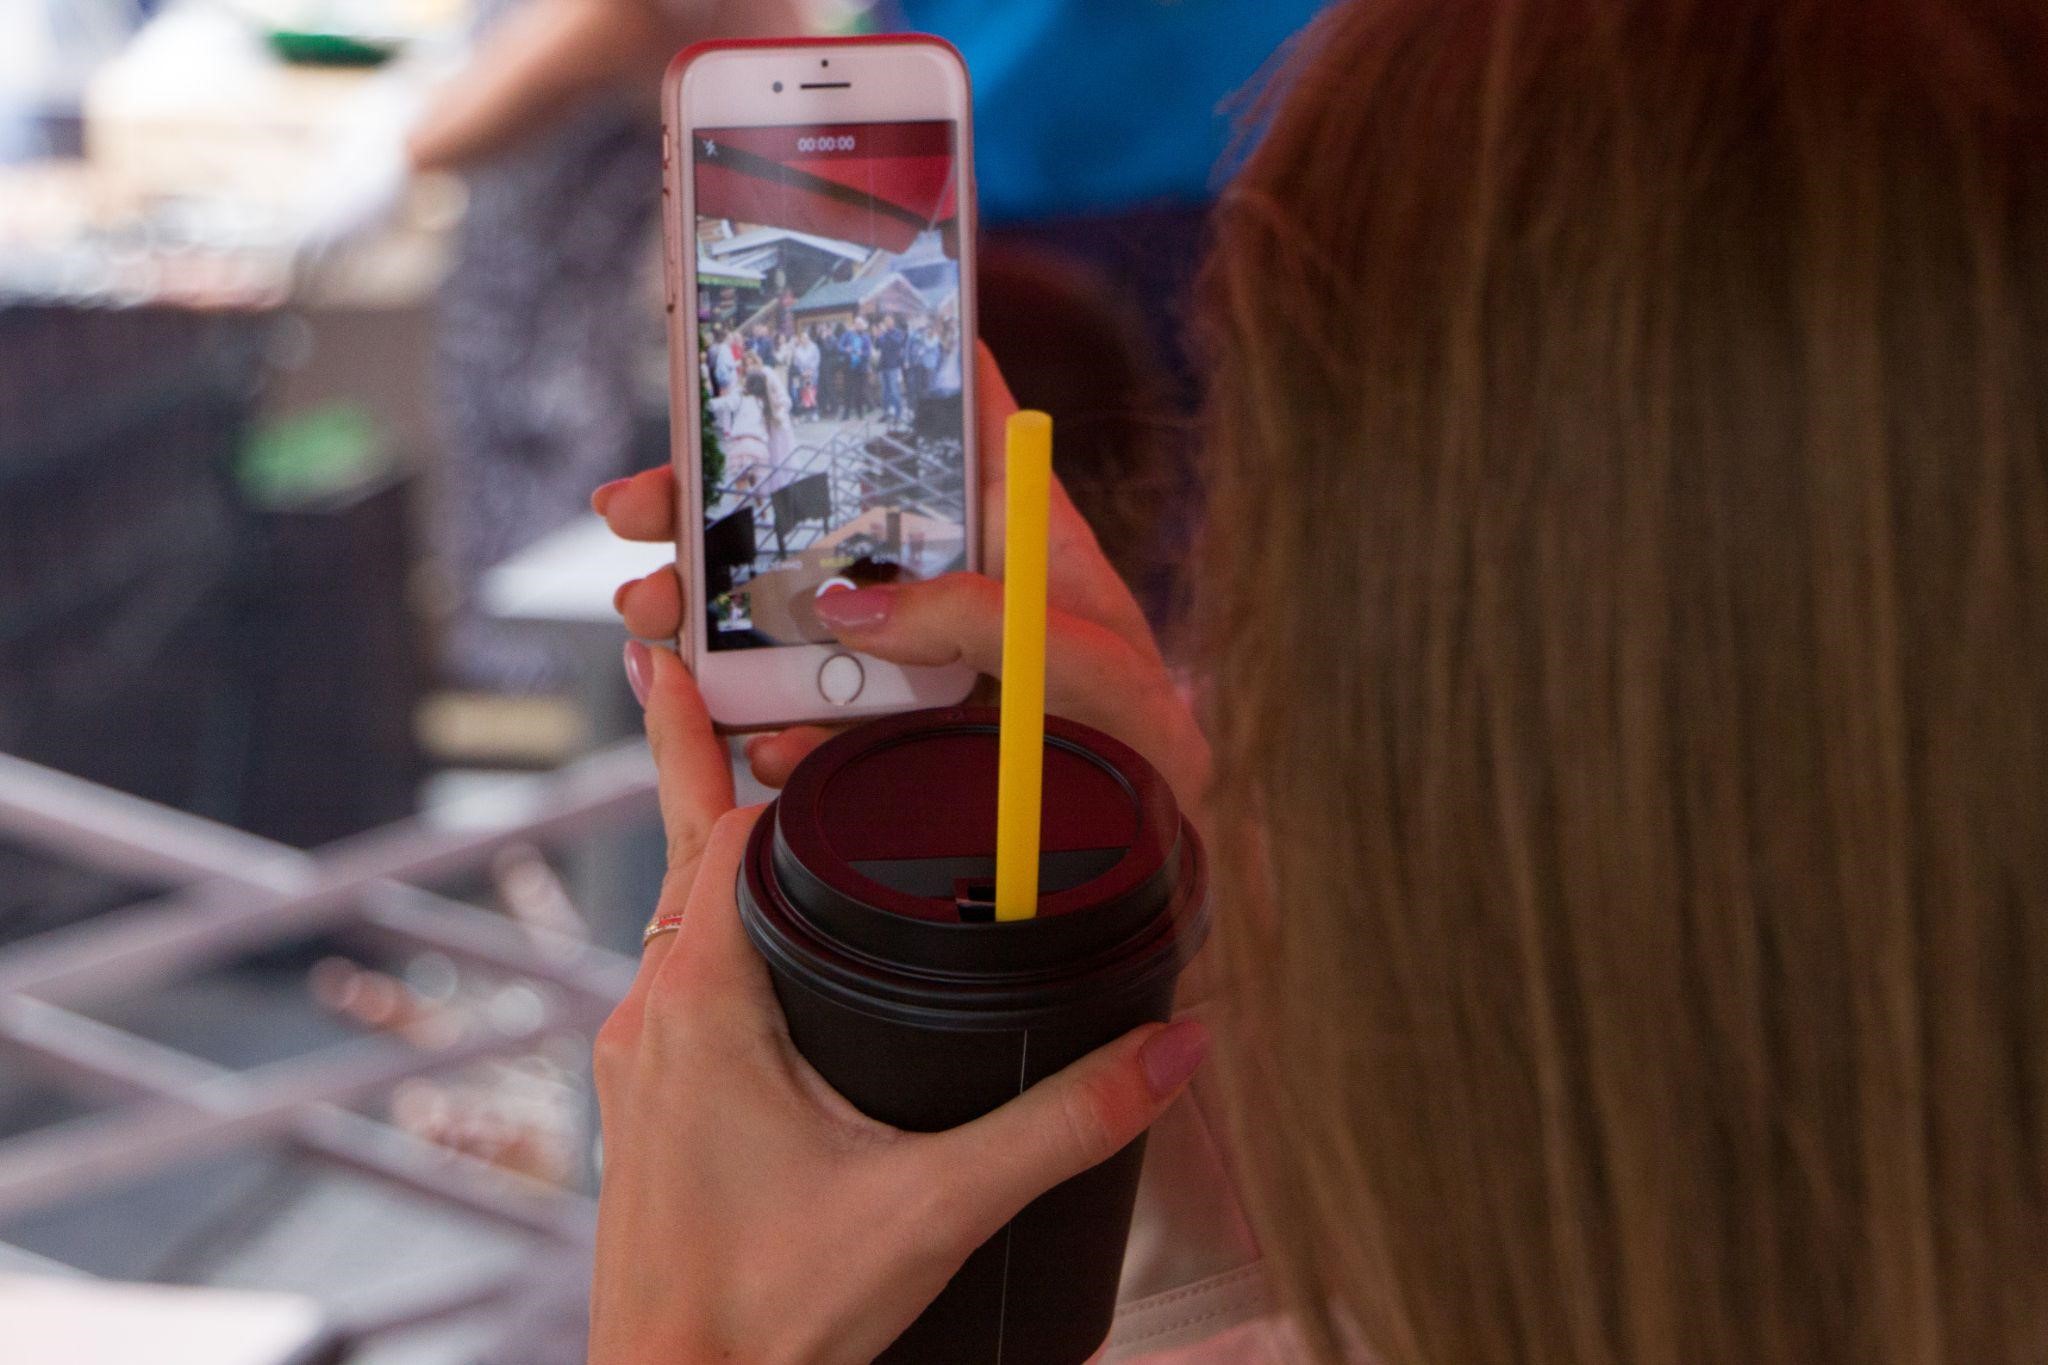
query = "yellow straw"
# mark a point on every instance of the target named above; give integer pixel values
(1020, 773)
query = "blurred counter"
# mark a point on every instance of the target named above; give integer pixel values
(210, 255)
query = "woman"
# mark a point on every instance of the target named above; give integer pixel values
(774, 394)
(741, 412)
(806, 358)
(1625, 647)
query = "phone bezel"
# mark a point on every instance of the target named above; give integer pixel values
(730, 84)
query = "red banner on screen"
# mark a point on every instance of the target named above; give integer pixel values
(877, 184)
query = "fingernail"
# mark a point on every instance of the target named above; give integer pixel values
(861, 609)
(619, 595)
(1171, 1055)
(751, 745)
(604, 493)
(639, 670)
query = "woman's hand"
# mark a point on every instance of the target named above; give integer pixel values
(1092, 674)
(1103, 667)
(750, 1213)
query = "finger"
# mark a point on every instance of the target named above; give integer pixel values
(692, 769)
(1092, 674)
(1067, 1123)
(652, 606)
(695, 786)
(1081, 581)
(707, 920)
(711, 962)
(642, 507)
(774, 757)
(694, 780)
(994, 403)
(1079, 577)
(995, 406)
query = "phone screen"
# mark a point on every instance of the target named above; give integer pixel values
(831, 363)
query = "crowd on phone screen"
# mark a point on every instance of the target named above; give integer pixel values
(762, 380)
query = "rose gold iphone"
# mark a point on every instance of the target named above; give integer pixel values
(819, 224)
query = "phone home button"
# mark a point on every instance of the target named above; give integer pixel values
(841, 679)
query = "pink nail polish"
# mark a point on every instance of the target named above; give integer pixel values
(1171, 1055)
(861, 609)
(639, 670)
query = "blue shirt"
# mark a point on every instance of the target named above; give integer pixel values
(1091, 106)
(889, 349)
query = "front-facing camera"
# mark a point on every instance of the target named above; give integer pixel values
(778, 87)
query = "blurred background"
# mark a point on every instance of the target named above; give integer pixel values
(326, 829)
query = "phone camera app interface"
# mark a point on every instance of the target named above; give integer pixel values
(830, 361)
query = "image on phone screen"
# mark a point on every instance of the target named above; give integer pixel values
(830, 354)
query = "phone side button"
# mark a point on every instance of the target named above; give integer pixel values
(840, 679)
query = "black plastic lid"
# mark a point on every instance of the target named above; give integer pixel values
(868, 876)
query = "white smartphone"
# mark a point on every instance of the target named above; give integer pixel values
(819, 230)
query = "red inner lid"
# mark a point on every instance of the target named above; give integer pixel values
(899, 815)
(935, 797)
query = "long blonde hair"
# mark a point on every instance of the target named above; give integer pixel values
(1626, 595)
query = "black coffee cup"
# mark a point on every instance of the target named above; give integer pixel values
(868, 887)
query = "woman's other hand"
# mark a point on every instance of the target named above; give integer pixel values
(1103, 666)
(748, 1211)
(1092, 674)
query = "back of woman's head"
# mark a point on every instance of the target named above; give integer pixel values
(1627, 594)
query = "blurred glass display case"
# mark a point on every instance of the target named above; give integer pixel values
(193, 195)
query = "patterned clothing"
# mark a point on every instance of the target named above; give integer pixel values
(543, 326)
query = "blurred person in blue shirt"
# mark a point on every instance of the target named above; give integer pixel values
(1102, 130)
(1087, 107)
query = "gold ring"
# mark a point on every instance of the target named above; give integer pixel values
(661, 924)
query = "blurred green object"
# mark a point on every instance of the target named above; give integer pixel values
(326, 48)
(293, 460)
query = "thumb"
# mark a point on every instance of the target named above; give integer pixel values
(1092, 674)
(1075, 1119)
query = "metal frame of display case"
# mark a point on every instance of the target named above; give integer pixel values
(236, 894)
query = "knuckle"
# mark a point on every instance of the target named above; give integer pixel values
(1088, 1117)
(619, 1032)
(1158, 696)
(686, 842)
(941, 1212)
(670, 1002)
(955, 591)
(674, 896)
(732, 825)
(614, 1047)
(691, 1025)
(979, 589)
